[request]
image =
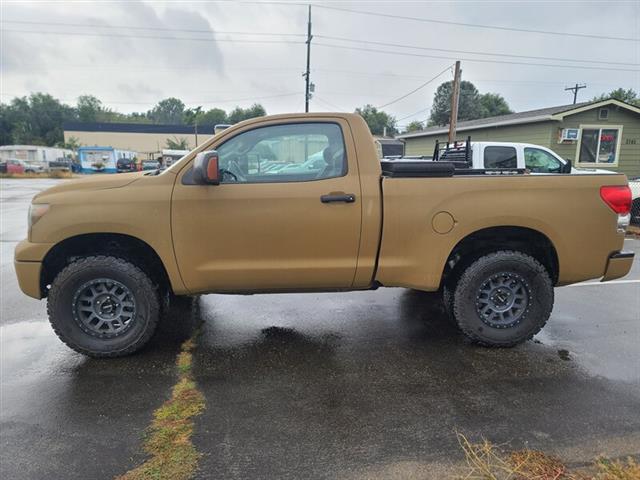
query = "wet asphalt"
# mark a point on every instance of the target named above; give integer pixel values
(349, 385)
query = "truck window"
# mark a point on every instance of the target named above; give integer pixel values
(284, 153)
(500, 157)
(539, 161)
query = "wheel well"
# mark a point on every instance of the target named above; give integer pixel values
(127, 247)
(493, 239)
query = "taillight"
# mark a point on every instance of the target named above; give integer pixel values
(618, 197)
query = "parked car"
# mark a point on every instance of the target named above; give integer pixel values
(150, 165)
(634, 184)
(33, 167)
(494, 244)
(61, 165)
(125, 165)
(14, 166)
(500, 155)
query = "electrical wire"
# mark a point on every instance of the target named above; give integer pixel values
(478, 25)
(135, 27)
(471, 52)
(478, 60)
(416, 89)
(152, 37)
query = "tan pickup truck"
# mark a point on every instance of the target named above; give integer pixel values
(301, 203)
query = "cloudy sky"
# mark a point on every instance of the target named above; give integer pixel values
(235, 53)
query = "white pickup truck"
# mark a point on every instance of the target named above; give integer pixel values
(504, 156)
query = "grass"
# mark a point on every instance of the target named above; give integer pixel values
(486, 461)
(53, 174)
(172, 455)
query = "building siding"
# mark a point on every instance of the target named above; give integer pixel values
(537, 133)
(547, 134)
(629, 155)
(143, 143)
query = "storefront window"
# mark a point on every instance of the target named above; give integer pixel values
(598, 145)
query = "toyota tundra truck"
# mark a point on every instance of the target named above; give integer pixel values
(108, 251)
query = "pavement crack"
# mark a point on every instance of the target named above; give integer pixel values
(168, 443)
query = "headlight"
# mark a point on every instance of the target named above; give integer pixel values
(36, 211)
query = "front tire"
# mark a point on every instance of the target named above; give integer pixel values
(103, 306)
(503, 299)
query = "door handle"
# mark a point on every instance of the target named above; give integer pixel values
(338, 197)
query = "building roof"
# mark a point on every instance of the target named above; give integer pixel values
(531, 116)
(31, 147)
(135, 128)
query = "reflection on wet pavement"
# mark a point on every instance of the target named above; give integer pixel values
(67, 416)
(324, 385)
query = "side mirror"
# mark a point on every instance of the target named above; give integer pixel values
(205, 168)
(566, 168)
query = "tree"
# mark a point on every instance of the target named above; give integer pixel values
(469, 105)
(377, 120)
(170, 111)
(628, 96)
(177, 143)
(239, 114)
(89, 108)
(72, 144)
(493, 104)
(35, 120)
(415, 126)
(215, 116)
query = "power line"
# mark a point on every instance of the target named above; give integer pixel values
(185, 101)
(415, 89)
(478, 60)
(414, 114)
(152, 37)
(385, 44)
(168, 29)
(478, 25)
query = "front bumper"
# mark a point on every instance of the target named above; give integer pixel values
(28, 265)
(29, 277)
(618, 265)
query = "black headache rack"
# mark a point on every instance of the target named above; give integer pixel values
(448, 159)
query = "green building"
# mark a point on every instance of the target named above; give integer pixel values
(603, 134)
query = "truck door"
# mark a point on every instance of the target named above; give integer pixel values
(286, 215)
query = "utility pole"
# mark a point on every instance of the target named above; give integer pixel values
(306, 75)
(575, 91)
(455, 99)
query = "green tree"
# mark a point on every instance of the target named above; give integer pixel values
(72, 144)
(415, 126)
(377, 120)
(239, 114)
(493, 104)
(170, 111)
(469, 105)
(177, 143)
(628, 96)
(214, 116)
(37, 119)
(89, 108)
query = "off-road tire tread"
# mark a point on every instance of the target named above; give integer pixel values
(138, 276)
(468, 276)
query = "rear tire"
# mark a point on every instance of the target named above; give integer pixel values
(103, 306)
(503, 299)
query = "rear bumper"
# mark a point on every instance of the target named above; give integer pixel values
(618, 265)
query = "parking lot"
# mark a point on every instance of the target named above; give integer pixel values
(338, 385)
